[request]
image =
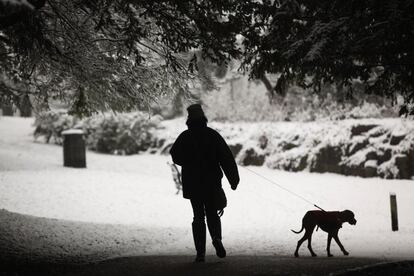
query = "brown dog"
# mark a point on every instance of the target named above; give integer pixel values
(329, 222)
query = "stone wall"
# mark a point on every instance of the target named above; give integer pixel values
(366, 148)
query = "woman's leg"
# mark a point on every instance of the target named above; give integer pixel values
(213, 222)
(199, 228)
(214, 227)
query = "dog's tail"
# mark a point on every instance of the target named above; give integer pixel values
(297, 232)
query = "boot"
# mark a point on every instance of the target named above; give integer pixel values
(199, 235)
(200, 258)
(220, 250)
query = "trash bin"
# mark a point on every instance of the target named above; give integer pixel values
(74, 154)
(7, 110)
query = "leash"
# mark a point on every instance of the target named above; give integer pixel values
(177, 178)
(283, 188)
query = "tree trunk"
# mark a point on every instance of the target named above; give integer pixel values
(269, 87)
(25, 107)
(279, 88)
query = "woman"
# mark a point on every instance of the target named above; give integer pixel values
(203, 154)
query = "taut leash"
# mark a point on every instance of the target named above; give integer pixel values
(283, 188)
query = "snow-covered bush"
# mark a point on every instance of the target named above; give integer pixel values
(107, 133)
(120, 134)
(50, 124)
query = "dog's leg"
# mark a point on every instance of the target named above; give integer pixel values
(299, 244)
(328, 247)
(335, 236)
(306, 236)
(310, 243)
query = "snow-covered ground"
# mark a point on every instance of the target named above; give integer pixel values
(128, 203)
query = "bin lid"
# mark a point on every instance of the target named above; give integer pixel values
(72, 131)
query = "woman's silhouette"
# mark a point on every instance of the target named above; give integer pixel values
(203, 154)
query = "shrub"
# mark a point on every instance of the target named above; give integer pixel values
(120, 134)
(107, 133)
(50, 124)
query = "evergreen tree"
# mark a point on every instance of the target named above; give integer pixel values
(311, 43)
(109, 54)
(124, 54)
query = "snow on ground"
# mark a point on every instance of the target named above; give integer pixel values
(126, 205)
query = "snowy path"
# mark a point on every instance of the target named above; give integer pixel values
(137, 192)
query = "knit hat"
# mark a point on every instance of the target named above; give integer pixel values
(195, 111)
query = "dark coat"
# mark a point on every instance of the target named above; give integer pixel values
(202, 153)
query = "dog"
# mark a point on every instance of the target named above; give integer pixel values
(329, 222)
(176, 177)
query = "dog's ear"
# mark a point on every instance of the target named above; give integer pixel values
(347, 214)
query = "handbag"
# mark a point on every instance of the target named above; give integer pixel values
(219, 199)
